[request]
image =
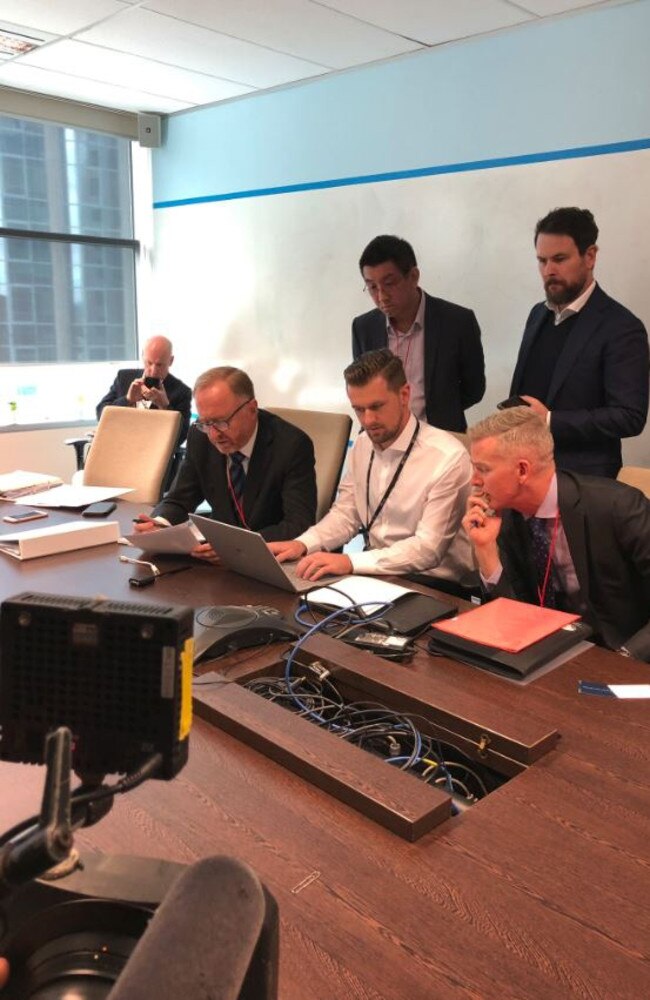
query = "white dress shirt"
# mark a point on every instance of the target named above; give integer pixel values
(409, 347)
(418, 529)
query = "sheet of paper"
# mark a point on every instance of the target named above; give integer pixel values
(630, 690)
(371, 591)
(178, 539)
(77, 496)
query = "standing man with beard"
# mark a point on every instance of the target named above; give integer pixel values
(583, 363)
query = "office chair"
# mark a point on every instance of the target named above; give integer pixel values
(80, 444)
(330, 433)
(132, 447)
(636, 475)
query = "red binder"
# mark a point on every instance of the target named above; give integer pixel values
(506, 624)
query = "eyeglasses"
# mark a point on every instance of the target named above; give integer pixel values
(219, 425)
(374, 287)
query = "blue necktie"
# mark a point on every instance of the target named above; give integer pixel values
(237, 474)
(541, 543)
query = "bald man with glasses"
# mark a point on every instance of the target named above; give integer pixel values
(254, 469)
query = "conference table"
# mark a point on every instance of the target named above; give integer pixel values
(538, 891)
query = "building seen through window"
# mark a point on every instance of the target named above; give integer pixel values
(67, 269)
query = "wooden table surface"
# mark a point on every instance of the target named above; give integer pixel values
(538, 892)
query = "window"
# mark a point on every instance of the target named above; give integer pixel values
(67, 261)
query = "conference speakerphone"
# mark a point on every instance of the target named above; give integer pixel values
(220, 630)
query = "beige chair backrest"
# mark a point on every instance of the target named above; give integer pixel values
(330, 433)
(636, 475)
(132, 447)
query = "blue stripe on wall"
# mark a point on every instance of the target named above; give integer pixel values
(399, 175)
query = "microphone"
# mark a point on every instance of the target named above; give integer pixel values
(215, 935)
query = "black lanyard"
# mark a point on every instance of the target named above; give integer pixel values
(365, 528)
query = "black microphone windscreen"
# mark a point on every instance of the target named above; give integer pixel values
(214, 937)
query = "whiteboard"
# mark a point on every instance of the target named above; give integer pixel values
(271, 284)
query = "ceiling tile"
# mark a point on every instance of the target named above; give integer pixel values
(544, 8)
(156, 36)
(105, 65)
(433, 22)
(298, 27)
(45, 81)
(56, 17)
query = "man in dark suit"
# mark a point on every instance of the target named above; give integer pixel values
(254, 469)
(169, 393)
(439, 343)
(583, 362)
(559, 539)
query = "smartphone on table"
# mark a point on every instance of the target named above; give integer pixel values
(25, 515)
(102, 509)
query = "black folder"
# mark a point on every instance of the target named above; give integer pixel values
(514, 665)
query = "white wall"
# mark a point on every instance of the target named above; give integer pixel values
(40, 451)
(271, 284)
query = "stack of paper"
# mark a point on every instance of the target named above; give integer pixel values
(58, 538)
(21, 484)
(77, 496)
(358, 590)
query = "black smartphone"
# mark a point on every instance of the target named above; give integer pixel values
(151, 382)
(99, 509)
(505, 404)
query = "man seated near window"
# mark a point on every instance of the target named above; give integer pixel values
(559, 539)
(404, 490)
(152, 388)
(254, 469)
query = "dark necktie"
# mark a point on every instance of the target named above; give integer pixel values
(237, 474)
(541, 542)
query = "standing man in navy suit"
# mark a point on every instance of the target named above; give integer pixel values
(438, 342)
(583, 363)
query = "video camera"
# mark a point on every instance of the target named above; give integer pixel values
(105, 687)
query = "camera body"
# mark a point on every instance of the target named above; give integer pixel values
(151, 382)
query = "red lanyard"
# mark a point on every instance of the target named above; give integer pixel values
(541, 591)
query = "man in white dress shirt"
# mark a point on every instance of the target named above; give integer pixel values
(404, 490)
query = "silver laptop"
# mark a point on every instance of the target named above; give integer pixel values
(246, 552)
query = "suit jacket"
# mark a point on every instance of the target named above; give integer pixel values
(279, 498)
(454, 369)
(599, 389)
(178, 394)
(607, 527)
